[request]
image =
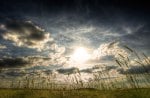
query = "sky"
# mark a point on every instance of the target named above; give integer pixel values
(61, 37)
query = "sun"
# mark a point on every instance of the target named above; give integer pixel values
(80, 55)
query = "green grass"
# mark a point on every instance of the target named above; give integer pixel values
(80, 93)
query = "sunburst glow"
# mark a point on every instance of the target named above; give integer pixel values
(80, 55)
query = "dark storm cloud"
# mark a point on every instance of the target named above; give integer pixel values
(48, 72)
(88, 70)
(25, 33)
(14, 74)
(135, 70)
(98, 69)
(93, 69)
(107, 58)
(12, 62)
(68, 70)
(21, 27)
(111, 67)
(132, 70)
(37, 68)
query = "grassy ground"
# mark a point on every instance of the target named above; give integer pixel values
(81, 93)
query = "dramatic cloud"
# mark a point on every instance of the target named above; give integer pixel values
(44, 47)
(68, 70)
(110, 49)
(13, 62)
(47, 61)
(37, 60)
(25, 33)
(28, 61)
(135, 70)
(54, 47)
(137, 67)
(99, 68)
(10, 62)
(15, 74)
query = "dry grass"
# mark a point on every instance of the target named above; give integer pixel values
(128, 86)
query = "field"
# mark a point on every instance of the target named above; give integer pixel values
(133, 83)
(79, 93)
